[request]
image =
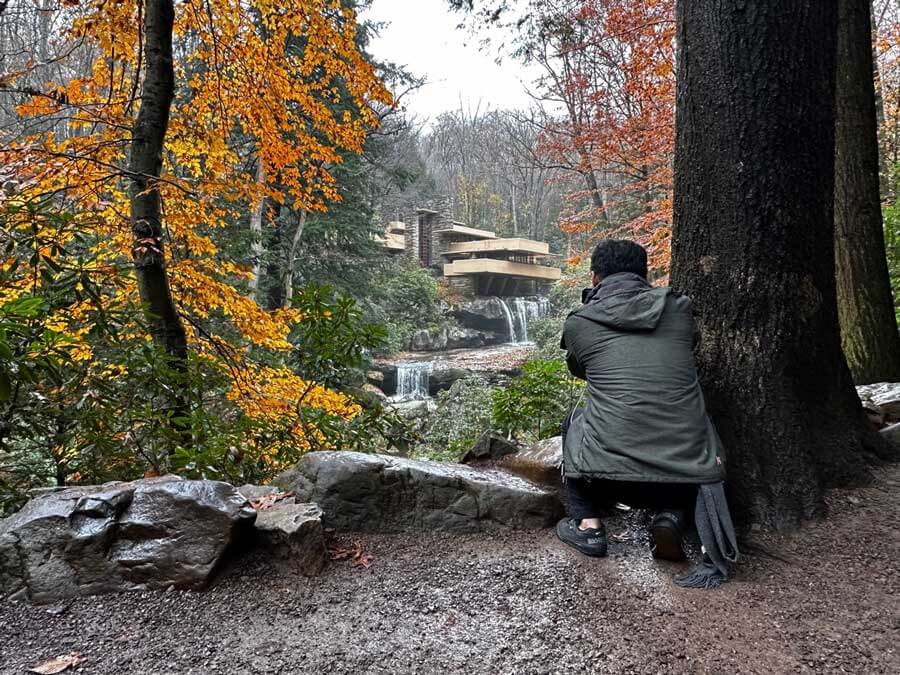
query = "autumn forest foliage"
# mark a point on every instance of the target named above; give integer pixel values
(285, 149)
(267, 98)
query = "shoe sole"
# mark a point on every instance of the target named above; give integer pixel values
(667, 543)
(592, 551)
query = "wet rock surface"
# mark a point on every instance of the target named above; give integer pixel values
(883, 398)
(453, 337)
(378, 493)
(539, 463)
(508, 602)
(293, 534)
(489, 446)
(892, 434)
(151, 533)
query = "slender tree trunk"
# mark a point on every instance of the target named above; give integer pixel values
(148, 137)
(257, 248)
(866, 308)
(753, 246)
(292, 258)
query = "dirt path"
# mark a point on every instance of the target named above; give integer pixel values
(509, 603)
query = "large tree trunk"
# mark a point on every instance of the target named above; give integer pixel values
(753, 246)
(148, 137)
(866, 308)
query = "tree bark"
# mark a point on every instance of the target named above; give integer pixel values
(274, 262)
(148, 138)
(292, 258)
(753, 245)
(866, 307)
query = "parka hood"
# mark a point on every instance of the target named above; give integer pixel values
(626, 302)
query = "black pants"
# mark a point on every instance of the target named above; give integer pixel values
(588, 498)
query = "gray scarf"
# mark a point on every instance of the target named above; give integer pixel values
(716, 532)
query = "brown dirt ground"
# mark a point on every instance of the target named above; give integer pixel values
(825, 599)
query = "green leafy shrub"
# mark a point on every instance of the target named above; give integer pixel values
(532, 406)
(404, 299)
(463, 413)
(333, 341)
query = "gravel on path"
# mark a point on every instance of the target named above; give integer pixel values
(825, 599)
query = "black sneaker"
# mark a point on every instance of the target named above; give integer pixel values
(590, 542)
(666, 539)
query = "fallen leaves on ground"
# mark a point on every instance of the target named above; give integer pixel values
(57, 665)
(356, 553)
(268, 501)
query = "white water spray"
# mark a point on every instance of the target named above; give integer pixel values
(520, 315)
(412, 381)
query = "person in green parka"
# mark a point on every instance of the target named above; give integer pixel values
(642, 436)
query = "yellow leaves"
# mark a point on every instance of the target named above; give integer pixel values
(281, 81)
(277, 397)
(275, 393)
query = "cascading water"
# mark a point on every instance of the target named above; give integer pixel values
(510, 326)
(412, 381)
(521, 314)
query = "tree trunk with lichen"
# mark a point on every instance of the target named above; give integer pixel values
(257, 247)
(145, 163)
(753, 245)
(869, 334)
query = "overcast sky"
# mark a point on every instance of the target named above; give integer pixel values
(422, 35)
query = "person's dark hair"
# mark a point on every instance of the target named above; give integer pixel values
(619, 255)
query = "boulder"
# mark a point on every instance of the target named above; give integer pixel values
(892, 434)
(442, 377)
(425, 340)
(883, 397)
(483, 314)
(294, 534)
(470, 338)
(414, 410)
(540, 463)
(378, 493)
(489, 446)
(150, 533)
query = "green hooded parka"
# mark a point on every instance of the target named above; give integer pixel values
(644, 416)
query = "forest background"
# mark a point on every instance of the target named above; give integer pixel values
(215, 314)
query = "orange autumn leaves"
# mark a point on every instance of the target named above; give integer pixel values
(283, 83)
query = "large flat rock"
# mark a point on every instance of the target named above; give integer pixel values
(377, 493)
(151, 533)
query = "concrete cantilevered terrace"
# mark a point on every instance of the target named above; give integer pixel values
(506, 268)
(512, 245)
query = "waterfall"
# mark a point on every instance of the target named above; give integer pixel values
(522, 313)
(510, 326)
(412, 381)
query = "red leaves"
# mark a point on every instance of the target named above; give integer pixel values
(266, 502)
(356, 552)
(618, 85)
